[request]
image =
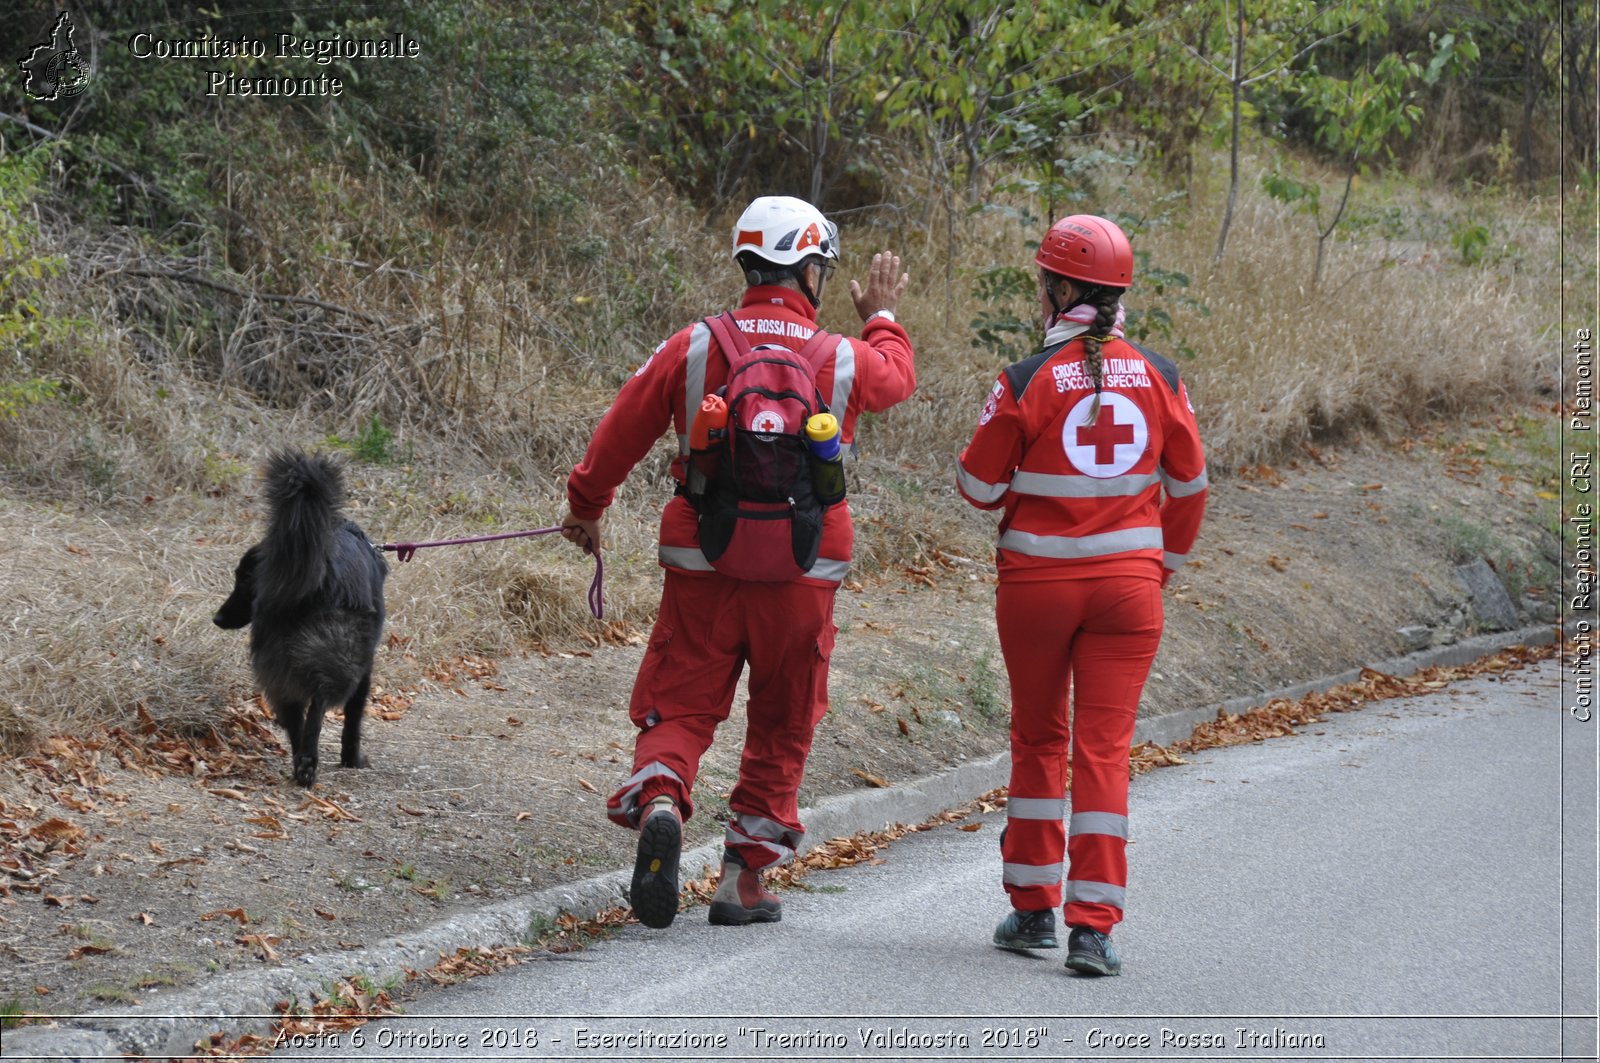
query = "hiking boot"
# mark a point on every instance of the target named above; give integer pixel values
(741, 899)
(655, 870)
(1027, 930)
(1090, 952)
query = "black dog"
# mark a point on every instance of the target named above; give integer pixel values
(312, 594)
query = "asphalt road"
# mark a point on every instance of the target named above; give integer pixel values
(1416, 880)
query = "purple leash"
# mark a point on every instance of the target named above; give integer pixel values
(405, 551)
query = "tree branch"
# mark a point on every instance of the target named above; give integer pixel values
(271, 297)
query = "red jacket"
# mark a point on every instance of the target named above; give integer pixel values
(872, 373)
(1081, 500)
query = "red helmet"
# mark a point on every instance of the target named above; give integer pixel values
(1087, 248)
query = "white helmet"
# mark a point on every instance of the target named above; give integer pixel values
(784, 231)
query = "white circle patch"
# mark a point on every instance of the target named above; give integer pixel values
(1113, 444)
(767, 422)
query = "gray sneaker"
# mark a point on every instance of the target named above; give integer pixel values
(1090, 952)
(1027, 930)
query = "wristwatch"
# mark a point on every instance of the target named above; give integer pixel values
(889, 314)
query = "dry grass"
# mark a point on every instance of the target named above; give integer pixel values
(490, 354)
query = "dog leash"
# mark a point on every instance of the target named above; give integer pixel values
(405, 551)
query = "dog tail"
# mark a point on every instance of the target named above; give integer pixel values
(305, 494)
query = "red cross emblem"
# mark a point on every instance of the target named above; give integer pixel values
(1104, 435)
(1113, 444)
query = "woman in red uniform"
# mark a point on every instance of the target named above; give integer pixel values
(1090, 449)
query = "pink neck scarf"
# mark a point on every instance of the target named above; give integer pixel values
(1075, 322)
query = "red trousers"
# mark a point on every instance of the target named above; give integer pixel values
(1098, 636)
(709, 627)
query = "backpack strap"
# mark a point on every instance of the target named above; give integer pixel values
(729, 336)
(817, 349)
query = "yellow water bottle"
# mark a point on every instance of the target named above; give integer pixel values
(827, 461)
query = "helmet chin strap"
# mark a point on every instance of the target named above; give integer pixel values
(1087, 292)
(805, 289)
(1056, 309)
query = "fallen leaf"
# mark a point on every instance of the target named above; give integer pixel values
(230, 794)
(263, 942)
(513, 721)
(328, 808)
(325, 914)
(56, 831)
(587, 785)
(409, 811)
(524, 815)
(905, 728)
(227, 913)
(77, 804)
(874, 780)
(181, 861)
(970, 827)
(90, 950)
(143, 917)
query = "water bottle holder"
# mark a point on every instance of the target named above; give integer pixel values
(827, 479)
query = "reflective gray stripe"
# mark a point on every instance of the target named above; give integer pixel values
(1174, 561)
(691, 559)
(685, 557)
(769, 834)
(1031, 874)
(627, 800)
(1099, 823)
(1075, 546)
(1096, 893)
(731, 837)
(1050, 485)
(1184, 488)
(844, 378)
(683, 442)
(694, 377)
(979, 489)
(650, 771)
(829, 569)
(759, 829)
(1036, 807)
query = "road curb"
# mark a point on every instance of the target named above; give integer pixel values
(242, 1002)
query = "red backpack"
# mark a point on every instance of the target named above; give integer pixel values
(760, 517)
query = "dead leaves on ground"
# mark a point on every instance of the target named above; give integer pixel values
(1282, 716)
(227, 913)
(870, 779)
(76, 774)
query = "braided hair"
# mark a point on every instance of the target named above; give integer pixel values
(1105, 301)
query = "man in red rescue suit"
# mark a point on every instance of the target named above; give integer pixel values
(1091, 450)
(711, 625)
